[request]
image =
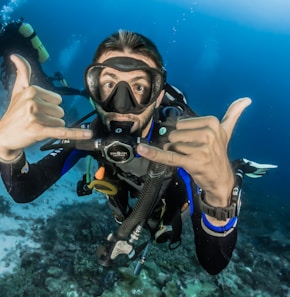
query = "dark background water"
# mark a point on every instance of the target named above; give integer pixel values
(214, 51)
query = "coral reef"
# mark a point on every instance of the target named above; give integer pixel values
(65, 263)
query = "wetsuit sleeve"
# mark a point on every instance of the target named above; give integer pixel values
(25, 182)
(213, 248)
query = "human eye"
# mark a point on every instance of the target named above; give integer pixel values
(107, 81)
(141, 92)
(108, 85)
(140, 89)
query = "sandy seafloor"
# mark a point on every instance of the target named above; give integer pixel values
(47, 248)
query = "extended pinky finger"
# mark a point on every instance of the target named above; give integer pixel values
(160, 156)
(67, 133)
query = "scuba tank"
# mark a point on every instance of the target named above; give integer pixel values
(27, 31)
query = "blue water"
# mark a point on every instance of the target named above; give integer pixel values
(215, 51)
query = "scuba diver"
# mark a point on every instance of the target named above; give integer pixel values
(19, 37)
(158, 161)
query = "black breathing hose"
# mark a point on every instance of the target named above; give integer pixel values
(121, 242)
(146, 201)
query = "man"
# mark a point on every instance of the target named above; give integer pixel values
(127, 84)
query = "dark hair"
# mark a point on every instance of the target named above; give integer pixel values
(134, 42)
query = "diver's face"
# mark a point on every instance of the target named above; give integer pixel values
(139, 83)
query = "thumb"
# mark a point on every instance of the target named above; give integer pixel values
(23, 74)
(233, 113)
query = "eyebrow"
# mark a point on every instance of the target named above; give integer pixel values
(113, 75)
(139, 78)
(134, 79)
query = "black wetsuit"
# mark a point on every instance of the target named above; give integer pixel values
(26, 182)
(12, 42)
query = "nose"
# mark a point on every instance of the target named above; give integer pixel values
(122, 101)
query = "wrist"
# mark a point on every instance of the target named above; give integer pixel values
(10, 156)
(221, 196)
(223, 213)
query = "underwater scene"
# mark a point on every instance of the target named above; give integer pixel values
(214, 51)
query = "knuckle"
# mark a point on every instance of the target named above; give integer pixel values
(154, 153)
(211, 130)
(206, 155)
(61, 133)
(31, 91)
(213, 122)
(209, 136)
(32, 107)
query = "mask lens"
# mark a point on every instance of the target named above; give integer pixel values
(144, 83)
(138, 81)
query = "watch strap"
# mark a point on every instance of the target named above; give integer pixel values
(223, 213)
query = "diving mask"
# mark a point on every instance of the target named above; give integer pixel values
(124, 85)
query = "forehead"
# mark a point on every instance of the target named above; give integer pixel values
(112, 54)
(116, 74)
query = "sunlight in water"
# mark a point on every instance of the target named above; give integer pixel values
(264, 14)
(69, 53)
(7, 9)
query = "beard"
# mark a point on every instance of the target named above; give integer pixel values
(140, 121)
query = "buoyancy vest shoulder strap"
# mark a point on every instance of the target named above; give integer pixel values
(174, 98)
